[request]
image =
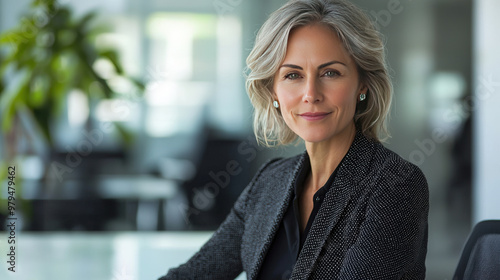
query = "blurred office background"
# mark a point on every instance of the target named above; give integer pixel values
(96, 206)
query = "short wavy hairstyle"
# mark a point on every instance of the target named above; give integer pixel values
(359, 37)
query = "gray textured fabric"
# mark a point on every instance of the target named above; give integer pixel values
(484, 261)
(371, 225)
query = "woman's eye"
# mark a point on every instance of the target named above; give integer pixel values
(332, 73)
(292, 76)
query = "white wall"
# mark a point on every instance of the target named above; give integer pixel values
(486, 102)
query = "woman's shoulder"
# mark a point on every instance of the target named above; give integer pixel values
(385, 158)
(378, 160)
(398, 182)
(391, 169)
(271, 181)
(275, 175)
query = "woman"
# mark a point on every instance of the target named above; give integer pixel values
(347, 208)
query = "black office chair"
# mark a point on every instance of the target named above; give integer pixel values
(480, 257)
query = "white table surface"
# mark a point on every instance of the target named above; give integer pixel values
(99, 256)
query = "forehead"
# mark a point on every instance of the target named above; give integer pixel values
(315, 41)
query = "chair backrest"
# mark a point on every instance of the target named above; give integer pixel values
(480, 257)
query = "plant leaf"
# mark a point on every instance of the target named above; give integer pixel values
(113, 58)
(126, 136)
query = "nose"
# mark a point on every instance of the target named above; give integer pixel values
(311, 92)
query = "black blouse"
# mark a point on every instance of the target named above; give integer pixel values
(287, 243)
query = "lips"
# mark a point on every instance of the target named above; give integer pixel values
(314, 116)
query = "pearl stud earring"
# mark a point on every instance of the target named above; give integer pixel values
(276, 104)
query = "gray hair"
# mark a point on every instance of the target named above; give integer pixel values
(360, 39)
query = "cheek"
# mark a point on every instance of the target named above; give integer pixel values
(287, 108)
(288, 105)
(346, 100)
(349, 102)
(287, 97)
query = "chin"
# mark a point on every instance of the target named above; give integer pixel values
(314, 137)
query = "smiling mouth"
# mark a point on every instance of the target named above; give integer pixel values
(316, 116)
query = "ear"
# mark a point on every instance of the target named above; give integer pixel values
(363, 89)
(274, 96)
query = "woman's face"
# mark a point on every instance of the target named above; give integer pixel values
(317, 86)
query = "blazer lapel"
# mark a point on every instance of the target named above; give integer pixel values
(283, 186)
(349, 175)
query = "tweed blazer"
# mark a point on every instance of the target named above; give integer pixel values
(372, 223)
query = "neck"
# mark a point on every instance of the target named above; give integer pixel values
(326, 156)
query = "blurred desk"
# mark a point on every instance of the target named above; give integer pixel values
(117, 202)
(105, 187)
(99, 256)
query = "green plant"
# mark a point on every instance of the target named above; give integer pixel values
(48, 54)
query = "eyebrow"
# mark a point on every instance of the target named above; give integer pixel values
(319, 67)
